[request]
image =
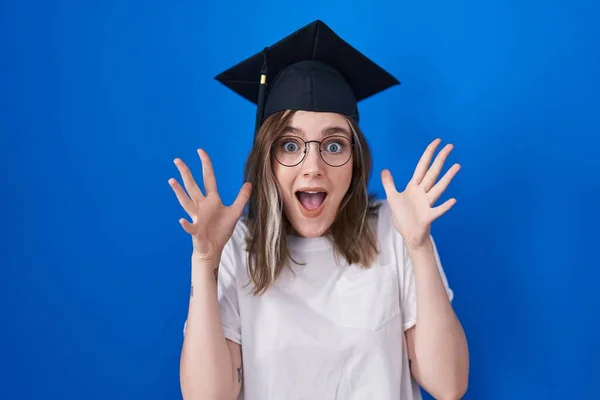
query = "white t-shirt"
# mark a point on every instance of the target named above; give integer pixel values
(327, 330)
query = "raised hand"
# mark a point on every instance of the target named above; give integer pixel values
(412, 209)
(212, 223)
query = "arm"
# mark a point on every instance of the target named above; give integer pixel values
(210, 365)
(437, 346)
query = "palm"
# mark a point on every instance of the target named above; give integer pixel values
(212, 222)
(412, 209)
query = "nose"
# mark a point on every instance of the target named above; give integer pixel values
(312, 165)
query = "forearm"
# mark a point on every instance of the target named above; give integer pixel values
(206, 367)
(441, 354)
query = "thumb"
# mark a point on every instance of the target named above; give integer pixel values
(189, 228)
(242, 198)
(388, 182)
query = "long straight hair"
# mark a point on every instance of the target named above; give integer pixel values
(351, 233)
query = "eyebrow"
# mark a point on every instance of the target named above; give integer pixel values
(331, 130)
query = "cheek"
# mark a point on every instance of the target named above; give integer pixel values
(278, 173)
(283, 178)
(343, 178)
(347, 174)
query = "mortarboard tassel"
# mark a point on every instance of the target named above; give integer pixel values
(261, 93)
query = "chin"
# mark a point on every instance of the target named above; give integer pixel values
(310, 230)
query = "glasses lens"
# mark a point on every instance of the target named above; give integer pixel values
(288, 150)
(336, 150)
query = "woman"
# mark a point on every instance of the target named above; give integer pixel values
(322, 292)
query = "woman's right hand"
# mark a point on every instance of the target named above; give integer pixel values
(212, 223)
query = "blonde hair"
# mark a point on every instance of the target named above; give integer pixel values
(268, 228)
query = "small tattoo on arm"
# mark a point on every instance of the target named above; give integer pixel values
(239, 370)
(192, 291)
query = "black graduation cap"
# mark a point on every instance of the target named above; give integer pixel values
(313, 69)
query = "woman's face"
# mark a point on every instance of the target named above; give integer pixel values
(313, 190)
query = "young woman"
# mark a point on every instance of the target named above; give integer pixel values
(322, 291)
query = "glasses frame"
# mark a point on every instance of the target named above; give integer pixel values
(306, 149)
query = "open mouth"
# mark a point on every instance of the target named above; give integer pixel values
(311, 200)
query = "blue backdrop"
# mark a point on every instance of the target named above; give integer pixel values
(97, 99)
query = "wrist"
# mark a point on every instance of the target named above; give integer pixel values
(203, 268)
(211, 257)
(420, 249)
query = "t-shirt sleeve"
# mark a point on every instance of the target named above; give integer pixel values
(228, 293)
(408, 289)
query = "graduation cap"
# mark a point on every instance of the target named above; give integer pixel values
(312, 69)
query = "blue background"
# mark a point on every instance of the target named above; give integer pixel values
(97, 99)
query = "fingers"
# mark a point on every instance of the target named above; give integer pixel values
(187, 203)
(388, 182)
(188, 181)
(423, 164)
(242, 198)
(442, 208)
(210, 182)
(435, 192)
(433, 172)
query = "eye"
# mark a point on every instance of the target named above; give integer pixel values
(334, 146)
(289, 145)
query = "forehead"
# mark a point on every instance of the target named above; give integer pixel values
(317, 123)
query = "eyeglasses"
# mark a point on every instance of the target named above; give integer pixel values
(290, 151)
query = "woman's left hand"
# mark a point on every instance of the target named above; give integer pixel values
(412, 209)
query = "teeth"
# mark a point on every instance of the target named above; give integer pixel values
(310, 191)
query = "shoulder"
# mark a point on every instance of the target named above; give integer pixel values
(382, 217)
(240, 234)
(234, 255)
(379, 207)
(391, 243)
